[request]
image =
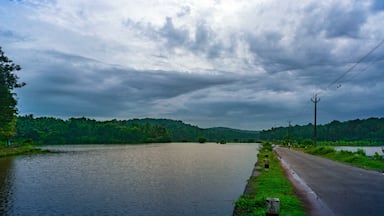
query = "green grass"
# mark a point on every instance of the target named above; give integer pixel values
(271, 183)
(353, 158)
(23, 150)
(350, 143)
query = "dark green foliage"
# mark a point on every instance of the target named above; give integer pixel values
(367, 132)
(202, 139)
(8, 110)
(361, 152)
(87, 131)
(376, 156)
(47, 130)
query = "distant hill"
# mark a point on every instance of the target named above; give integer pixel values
(48, 130)
(236, 135)
(182, 132)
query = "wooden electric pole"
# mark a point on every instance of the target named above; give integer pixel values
(315, 100)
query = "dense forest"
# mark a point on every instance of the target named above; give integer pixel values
(367, 131)
(48, 130)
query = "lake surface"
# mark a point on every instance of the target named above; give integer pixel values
(155, 179)
(369, 150)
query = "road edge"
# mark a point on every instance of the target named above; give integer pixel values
(313, 204)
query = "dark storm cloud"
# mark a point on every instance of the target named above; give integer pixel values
(174, 36)
(310, 56)
(268, 52)
(377, 5)
(344, 23)
(100, 90)
(7, 34)
(274, 56)
(335, 20)
(205, 41)
(10, 36)
(250, 104)
(202, 40)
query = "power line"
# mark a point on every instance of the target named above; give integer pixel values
(315, 99)
(369, 64)
(358, 62)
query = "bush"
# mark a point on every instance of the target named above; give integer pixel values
(306, 142)
(202, 139)
(376, 156)
(361, 152)
(267, 146)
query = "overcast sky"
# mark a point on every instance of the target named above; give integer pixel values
(234, 63)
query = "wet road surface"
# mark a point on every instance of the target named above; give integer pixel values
(344, 189)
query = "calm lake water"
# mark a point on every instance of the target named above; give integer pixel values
(156, 179)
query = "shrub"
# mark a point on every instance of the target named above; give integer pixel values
(376, 156)
(306, 142)
(202, 139)
(361, 152)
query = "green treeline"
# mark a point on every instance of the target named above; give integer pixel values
(48, 130)
(8, 110)
(368, 132)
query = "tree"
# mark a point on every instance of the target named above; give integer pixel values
(8, 102)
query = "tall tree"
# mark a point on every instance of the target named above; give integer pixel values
(8, 82)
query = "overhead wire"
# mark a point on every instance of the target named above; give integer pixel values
(353, 76)
(305, 109)
(338, 79)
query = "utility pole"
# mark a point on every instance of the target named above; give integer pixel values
(315, 100)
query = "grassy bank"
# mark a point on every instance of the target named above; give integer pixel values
(358, 158)
(350, 143)
(22, 150)
(270, 183)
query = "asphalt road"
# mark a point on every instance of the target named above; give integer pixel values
(344, 189)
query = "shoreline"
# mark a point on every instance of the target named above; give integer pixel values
(22, 150)
(256, 171)
(269, 179)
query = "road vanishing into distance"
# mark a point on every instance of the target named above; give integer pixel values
(338, 189)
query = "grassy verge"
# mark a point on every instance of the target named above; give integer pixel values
(270, 183)
(23, 150)
(353, 158)
(349, 143)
